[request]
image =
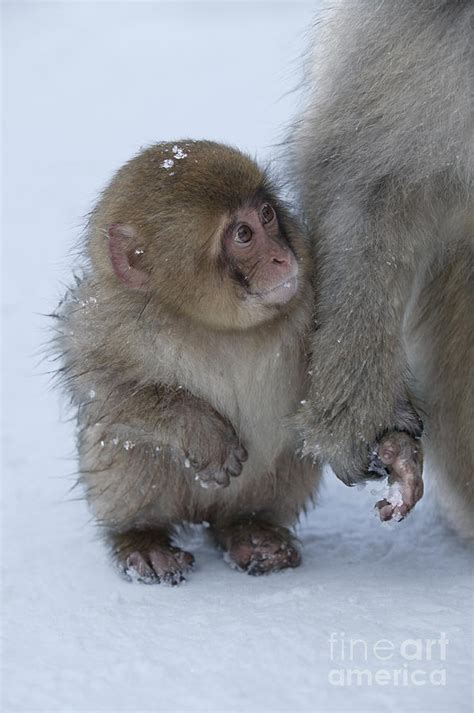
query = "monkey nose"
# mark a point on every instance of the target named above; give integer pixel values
(283, 257)
(285, 264)
(281, 260)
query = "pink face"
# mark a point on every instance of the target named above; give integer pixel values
(260, 257)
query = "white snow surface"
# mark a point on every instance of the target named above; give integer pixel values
(85, 85)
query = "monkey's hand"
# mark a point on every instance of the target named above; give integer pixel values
(214, 452)
(401, 457)
(346, 443)
(352, 404)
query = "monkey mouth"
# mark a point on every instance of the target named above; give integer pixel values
(278, 294)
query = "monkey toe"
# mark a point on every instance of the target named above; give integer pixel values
(137, 568)
(158, 566)
(262, 550)
(265, 560)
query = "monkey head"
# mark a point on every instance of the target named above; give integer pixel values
(197, 227)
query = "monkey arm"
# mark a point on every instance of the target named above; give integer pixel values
(177, 421)
(359, 384)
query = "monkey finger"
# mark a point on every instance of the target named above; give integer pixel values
(405, 490)
(215, 477)
(407, 420)
(241, 453)
(221, 478)
(233, 465)
(412, 492)
(359, 472)
(405, 473)
(385, 510)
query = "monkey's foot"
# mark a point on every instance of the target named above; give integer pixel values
(258, 548)
(402, 458)
(148, 557)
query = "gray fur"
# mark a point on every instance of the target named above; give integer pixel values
(382, 158)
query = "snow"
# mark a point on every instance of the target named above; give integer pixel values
(85, 85)
(394, 495)
(178, 152)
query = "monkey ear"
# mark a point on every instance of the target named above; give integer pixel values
(124, 256)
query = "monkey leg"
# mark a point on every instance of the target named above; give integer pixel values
(257, 547)
(402, 457)
(442, 356)
(148, 556)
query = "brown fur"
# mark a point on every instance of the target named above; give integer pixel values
(181, 376)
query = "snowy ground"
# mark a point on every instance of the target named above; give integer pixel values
(85, 85)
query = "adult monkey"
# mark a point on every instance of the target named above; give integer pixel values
(382, 159)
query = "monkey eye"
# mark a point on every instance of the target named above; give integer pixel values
(243, 234)
(267, 213)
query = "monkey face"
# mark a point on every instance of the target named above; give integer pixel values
(207, 240)
(259, 257)
(246, 274)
